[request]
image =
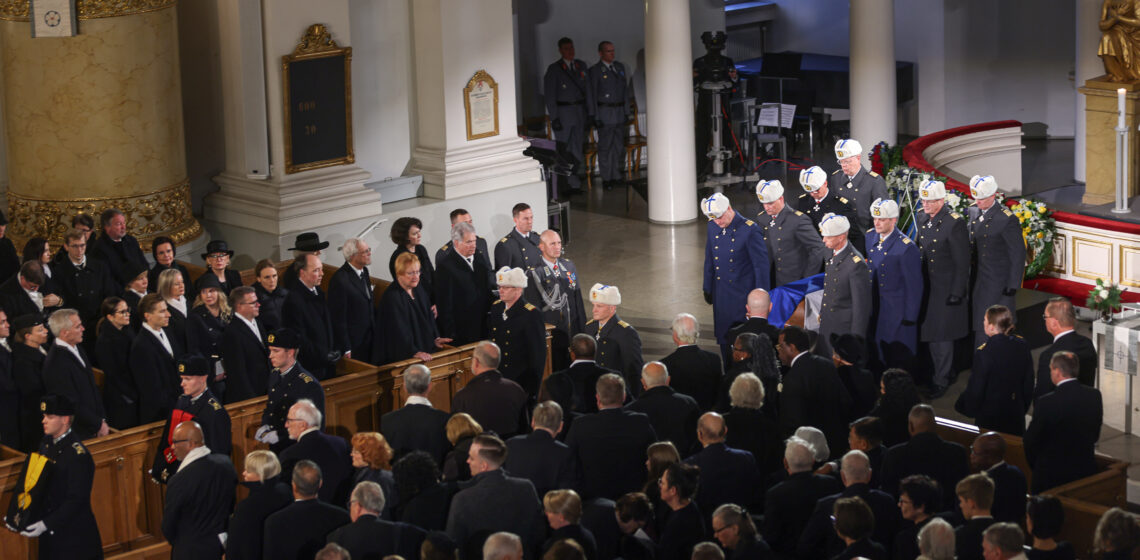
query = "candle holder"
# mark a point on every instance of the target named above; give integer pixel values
(1121, 129)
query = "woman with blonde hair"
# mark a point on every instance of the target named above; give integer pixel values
(372, 458)
(172, 288)
(405, 318)
(207, 321)
(461, 430)
(267, 494)
(563, 509)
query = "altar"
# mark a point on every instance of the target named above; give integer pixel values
(1118, 363)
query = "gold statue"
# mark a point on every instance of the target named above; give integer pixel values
(1120, 44)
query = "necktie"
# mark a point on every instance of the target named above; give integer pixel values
(165, 343)
(470, 262)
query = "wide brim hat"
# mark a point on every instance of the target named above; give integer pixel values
(309, 241)
(217, 246)
(208, 280)
(849, 347)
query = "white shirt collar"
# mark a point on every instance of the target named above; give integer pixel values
(576, 362)
(156, 332)
(1059, 335)
(840, 250)
(1064, 381)
(136, 292)
(549, 264)
(416, 399)
(193, 455)
(524, 235)
(56, 440)
(70, 348)
(252, 324)
(306, 432)
(81, 262)
(796, 358)
(358, 271)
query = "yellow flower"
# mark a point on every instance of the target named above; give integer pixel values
(1040, 235)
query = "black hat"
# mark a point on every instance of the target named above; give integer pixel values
(27, 321)
(442, 542)
(849, 347)
(193, 365)
(309, 241)
(217, 246)
(208, 280)
(57, 405)
(284, 338)
(135, 269)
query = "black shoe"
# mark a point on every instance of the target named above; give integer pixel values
(936, 392)
(608, 185)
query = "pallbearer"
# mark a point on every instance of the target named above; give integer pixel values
(736, 262)
(896, 279)
(996, 235)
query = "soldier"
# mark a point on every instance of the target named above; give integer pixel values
(996, 235)
(896, 277)
(736, 262)
(618, 344)
(517, 327)
(519, 248)
(53, 496)
(570, 105)
(846, 306)
(481, 252)
(794, 248)
(609, 85)
(288, 382)
(943, 318)
(858, 185)
(555, 289)
(816, 203)
(197, 403)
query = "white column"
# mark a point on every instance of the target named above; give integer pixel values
(1088, 66)
(874, 106)
(669, 106)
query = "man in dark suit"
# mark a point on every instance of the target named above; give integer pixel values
(1060, 443)
(519, 248)
(67, 372)
(975, 497)
(610, 445)
(1060, 321)
(819, 539)
(302, 528)
(368, 536)
(329, 452)
(463, 285)
(789, 504)
(417, 426)
(988, 455)
(116, 248)
(672, 414)
(350, 302)
(493, 501)
(20, 294)
(727, 475)
(573, 388)
(813, 394)
(925, 453)
(196, 404)
(84, 283)
(538, 457)
(288, 383)
(497, 403)
(756, 317)
(245, 355)
(199, 497)
(306, 311)
(154, 361)
(481, 252)
(693, 371)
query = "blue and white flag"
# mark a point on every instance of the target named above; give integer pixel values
(53, 18)
(788, 297)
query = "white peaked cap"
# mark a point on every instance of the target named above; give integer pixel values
(833, 224)
(769, 191)
(715, 206)
(813, 178)
(510, 277)
(608, 295)
(982, 186)
(932, 190)
(847, 147)
(884, 208)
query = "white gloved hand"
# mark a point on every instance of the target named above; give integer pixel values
(261, 432)
(35, 529)
(270, 437)
(10, 527)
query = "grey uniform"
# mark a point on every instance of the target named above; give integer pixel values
(558, 294)
(569, 103)
(610, 86)
(996, 234)
(619, 349)
(518, 251)
(846, 307)
(861, 190)
(794, 246)
(945, 243)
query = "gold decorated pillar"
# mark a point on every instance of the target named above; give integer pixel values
(94, 121)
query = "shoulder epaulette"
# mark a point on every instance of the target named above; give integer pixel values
(905, 240)
(497, 302)
(444, 248)
(590, 322)
(503, 240)
(1006, 212)
(530, 307)
(798, 213)
(749, 223)
(856, 259)
(982, 346)
(843, 200)
(78, 448)
(305, 378)
(870, 230)
(837, 171)
(872, 173)
(955, 216)
(1019, 336)
(803, 195)
(623, 324)
(214, 403)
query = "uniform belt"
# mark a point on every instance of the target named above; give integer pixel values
(612, 104)
(569, 103)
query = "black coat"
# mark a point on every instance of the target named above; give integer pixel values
(1071, 342)
(416, 427)
(788, 506)
(371, 538)
(574, 388)
(9, 259)
(404, 325)
(814, 396)
(727, 476)
(233, 280)
(157, 270)
(865, 548)
(27, 372)
(862, 387)
(968, 538)
(350, 311)
(15, 300)
(751, 549)
(120, 395)
(427, 272)
(154, 372)
(387, 483)
(132, 299)
(84, 290)
(463, 297)
(926, 453)
(684, 529)
(580, 534)
(598, 518)
(755, 432)
(521, 336)
(819, 539)
(544, 461)
(179, 327)
(198, 503)
(9, 402)
(308, 313)
(428, 509)
(610, 447)
(301, 529)
(696, 373)
(272, 305)
(214, 419)
(119, 257)
(672, 414)
(65, 375)
(495, 502)
(1060, 443)
(245, 358)
(331, 454)
(496, 403)
(906, 540)
(247, 524)
(1009, 492)
(1001, 385)
(205, 332)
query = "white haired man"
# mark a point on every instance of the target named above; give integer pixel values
(350, 291)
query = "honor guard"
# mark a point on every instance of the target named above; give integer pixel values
(819, 201)
(197, 403)
(1000, 388)
(462, 215)
(288, 382)
(569, 104)
(736, 262)
(846, 305)
(856, 184)
(618, 344)
(944, 241)
(896, 279)
(519, 249)
(517, 328)
(610, 86)
(52, 498)
(555, 289)
(794, 247)
(996, 235)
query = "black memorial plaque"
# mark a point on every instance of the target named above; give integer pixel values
(318, 103)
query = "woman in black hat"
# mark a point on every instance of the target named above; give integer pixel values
(164, 254)
(208, 319)
(137, 287)
(112, 349)
(847, 352)
(28, 337)
(217, 257)
(406, 235)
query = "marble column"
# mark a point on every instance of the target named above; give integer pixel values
(1088, 66)
(95, 121)
(874, 105)
(669, 104)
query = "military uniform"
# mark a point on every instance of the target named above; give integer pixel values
(481, 252)
(569, 103)
(846, 305)
(521, 336)
(795, 248)
(832, 204)
(209, 413)
(1001, 385)
(945, 244)
(619, 349)
(996, 234)
(609, 84)
(284, 391)
(736, 262)
(518, 251)
(557, 293)
(861, 190)
(896, 277)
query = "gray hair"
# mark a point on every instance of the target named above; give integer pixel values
(747, 391)
(307, 412)
(502, 545)
(856, 467)
(686, 328)
(333, 551)
(817, 439)
(655, 374)
(799, 454)
(61, 320)
(459, 230)
(707, 551)
(936, 540)
(547, 414)
(369, 496)
(487, 353)
(1006, 536)
(417, 379)
(350, 248)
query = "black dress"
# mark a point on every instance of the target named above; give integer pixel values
(455, 465)
(247, 524)
(27, 372)
(120, 396)
(206, 332)
(404, 325)
(271, 305)
(1064, 551)
(427, 271)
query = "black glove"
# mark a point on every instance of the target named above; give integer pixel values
(333, 356)
(556, 124)
(598, 123)
(953, 300)
(708, 298)
(906, 323)
(1009, 292)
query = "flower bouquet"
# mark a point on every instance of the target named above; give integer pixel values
(1038, 227)
(1104, 298)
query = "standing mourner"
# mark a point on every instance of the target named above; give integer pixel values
(197, 403)
(896, 278)
(996, 234)
(519, 248)
(570, 105)
(736, 262)
(555, 289)
(610, 86)
(854, 182)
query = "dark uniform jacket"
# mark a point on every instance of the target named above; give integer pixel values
(245, 357)
(737, 261)
(119, 256)
(331, 454)
(427, 271)
(9, 402)
(547, 463)
(85, 289)
(727, 476)
(672, 414)
(896, 276)
(1073, 342)
(814, 396)
(65, 375)
(27, 372)
(63, 494)
(481, 252)
(120, 395)
(154, 373)
(372, 538)
(619, 349)
(209, 413)
(944, 241)
(819, 539)
(308, 314)
(247, 524)
(926, 453)
(1010, 489)
(846, 307)
(416, 427)
(788, 507)
(284, 392)
(795, 247)
(495, 402)
(521, 336)
(558, 295)
(833, 204)
(996, 234)
(1001, 385)
(301, 529)
(350, 310)
(861, 190)
(610, 448)
(1060, 443)
(494, 502)
(206, 334)
(518, 251)
(199, 500)
(696, 373)
(462, 297)
(404, 325)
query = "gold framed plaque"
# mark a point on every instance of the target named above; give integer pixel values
(317, 100)
(481, 103)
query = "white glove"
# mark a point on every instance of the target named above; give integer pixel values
(35, 529)
(10, 527)
(261, 431)
(266, 434)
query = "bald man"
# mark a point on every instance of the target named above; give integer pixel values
(925, 453)
(727, 475)
(199, 497)
(819, 539)
(988, 456)
(672, 414)
(555, 289)
(756, 317)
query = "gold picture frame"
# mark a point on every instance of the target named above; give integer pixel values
(315, 45)
(481, 105)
